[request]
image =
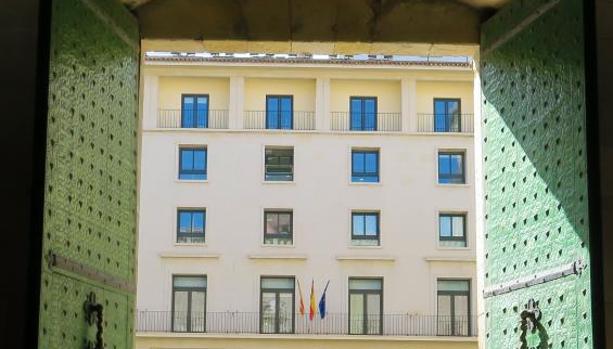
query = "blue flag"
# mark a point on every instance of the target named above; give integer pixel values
(322, 302)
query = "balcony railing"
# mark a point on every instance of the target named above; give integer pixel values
(369, 122)
(458, 123)
(213, 118)
(332, 324)
(298, 120)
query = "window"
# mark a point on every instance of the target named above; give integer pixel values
(279, 112)
(447, 117)
(363, 111)
(451, 168)
(278, 227)
(452, 230)
(277, 305)
(365, 228)
(279, 164)
(195, 111)
(365, 306)
(188, 303)
(365, 166)
(453, 308)
(190, 225)
(192, 163)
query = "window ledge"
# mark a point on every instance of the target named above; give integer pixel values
(296, 257)
(190, 244)
(451, 248)
(451, 185)
(175, 255)
(450, 259)
(278, 182)
(191, 180)
(366, 258)
(365, 183)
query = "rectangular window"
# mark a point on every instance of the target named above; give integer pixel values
(278, 227)
(190, 225)
(363, 113)
(192, 163)
(279, 112)
(365, 166)
(365, 228)
(277, 304)
(365, 306)
(451, 168)
(189, 303)
(279, 164)
(447, 116)
(453, 308)
(195, 111)
(452, 230)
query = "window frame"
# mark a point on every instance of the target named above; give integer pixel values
(190, 290)
(194, 121)
(464, 238)
(277, 292)
(365, 213)
(448, 125)
(279, 115)
(278, 147)
(192, 211)
(450, 177)
(364, 293)
(363, 116)
(192, 171)
(365, 174)
(453, 295)
(278, 211)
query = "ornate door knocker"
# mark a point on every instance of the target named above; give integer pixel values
(533, 335)
(93, 315)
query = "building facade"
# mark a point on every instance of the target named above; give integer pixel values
(265, 178)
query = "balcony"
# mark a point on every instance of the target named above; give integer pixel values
(366, 122)
(332, 324)
(297, 120)
(445, 123)
(176, 118)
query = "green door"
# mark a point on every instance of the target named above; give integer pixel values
(536, 204)
(89, 227)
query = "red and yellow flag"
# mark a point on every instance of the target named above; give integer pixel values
(312, 306)
(301, 309)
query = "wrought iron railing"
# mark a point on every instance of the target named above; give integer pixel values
(370, 122)
(296, 120)
(175, 118)
(331, 324)
(458, 123)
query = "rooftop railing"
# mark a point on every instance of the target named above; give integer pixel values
(365, 122)
(454, 123)
(177, 118)
(296, 120)
(331, 324)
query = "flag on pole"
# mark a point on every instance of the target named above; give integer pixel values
(322, 302)
(301, 309)
(312, 309)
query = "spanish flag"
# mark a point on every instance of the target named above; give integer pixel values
(301, 309)
(312, 306)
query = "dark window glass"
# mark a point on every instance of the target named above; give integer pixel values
(195, 111)
(365, 228)
(365, 306)
(280, 112)
(189, 303)
(365, 166)
(447, 116)
(453, 308)
(278, 227)
(277, 304)
(279, 164)
(363, 113)
(452, 230)
(192, 163)
(190, 226)
(451, 167)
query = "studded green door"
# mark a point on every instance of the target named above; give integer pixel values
(89, 227)
(537, 281)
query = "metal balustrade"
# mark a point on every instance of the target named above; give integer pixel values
(366, 122)
(332, 324)
(296, 120)
(443, 123)
(172, 118)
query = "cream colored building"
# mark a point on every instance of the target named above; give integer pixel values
(260, 176)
